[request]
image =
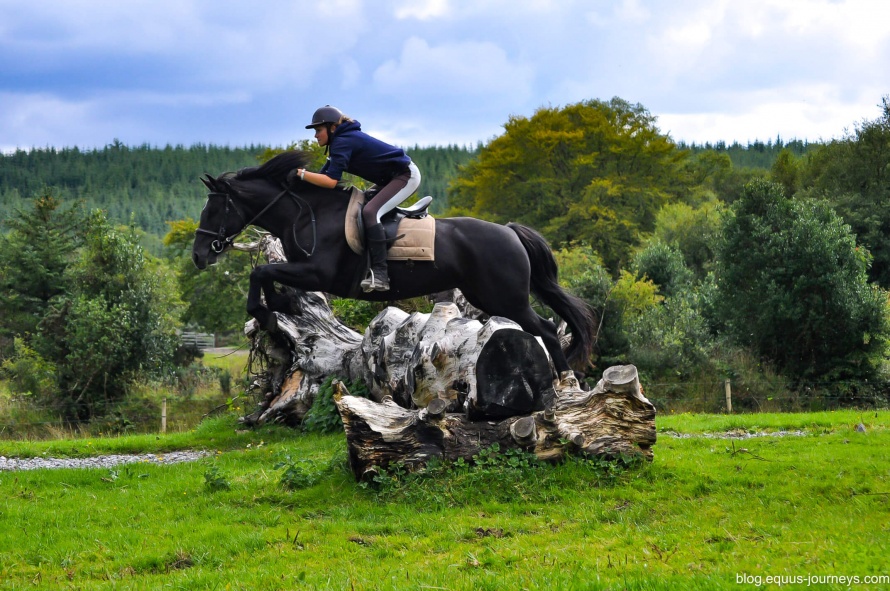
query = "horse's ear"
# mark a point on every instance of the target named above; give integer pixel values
(208, 181)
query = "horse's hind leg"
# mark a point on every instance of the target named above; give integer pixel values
(519, 311)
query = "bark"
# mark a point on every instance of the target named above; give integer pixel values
(614, 421)
(289, 366)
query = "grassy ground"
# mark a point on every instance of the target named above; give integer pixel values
(278, 510)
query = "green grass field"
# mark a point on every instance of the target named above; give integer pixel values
(274, 509)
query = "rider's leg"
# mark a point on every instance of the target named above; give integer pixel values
(390, 196)
(379, 277)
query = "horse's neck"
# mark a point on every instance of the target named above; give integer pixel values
(325, 206)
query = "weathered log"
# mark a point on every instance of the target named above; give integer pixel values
(389, 355)
(614, 420)
(493, 370)
(303, 352)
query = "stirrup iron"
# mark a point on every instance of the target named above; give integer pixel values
(372, 283)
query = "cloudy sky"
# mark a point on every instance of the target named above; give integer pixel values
(431, 72)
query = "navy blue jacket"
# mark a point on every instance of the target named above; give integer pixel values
(354, 151)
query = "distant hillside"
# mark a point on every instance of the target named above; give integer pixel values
(157, 185)
(153, 185)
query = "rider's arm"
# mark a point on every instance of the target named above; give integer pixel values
(316, 178)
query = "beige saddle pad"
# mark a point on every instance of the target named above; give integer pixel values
(416, 244)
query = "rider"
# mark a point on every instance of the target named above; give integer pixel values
(388, 167)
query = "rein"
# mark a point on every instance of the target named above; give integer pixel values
(223, 240)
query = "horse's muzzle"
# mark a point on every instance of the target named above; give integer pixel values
(200, 262)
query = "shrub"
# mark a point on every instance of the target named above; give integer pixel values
(792, 284)
(323, 416)
(28, 372)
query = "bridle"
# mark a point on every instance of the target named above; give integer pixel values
(224, 240)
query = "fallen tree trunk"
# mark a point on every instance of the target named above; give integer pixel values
(491, 369)
(613, 421)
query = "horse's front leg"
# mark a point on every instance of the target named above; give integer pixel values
(262, 282)
(255, 307)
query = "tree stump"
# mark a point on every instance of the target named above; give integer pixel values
(307, 347)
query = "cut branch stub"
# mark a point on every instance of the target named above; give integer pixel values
(436, 370)
(493, 370)
(513, 373)
(394, 352)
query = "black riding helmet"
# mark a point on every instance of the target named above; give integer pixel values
(325, 114)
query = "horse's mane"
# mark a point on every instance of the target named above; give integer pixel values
(276, 169)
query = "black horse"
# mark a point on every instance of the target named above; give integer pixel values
(494, 266)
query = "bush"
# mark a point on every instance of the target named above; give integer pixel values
(792, 285)
(664, 266)
(29, 373)
(670, 339)
(356, 314)
(323, 416)
(113, 322)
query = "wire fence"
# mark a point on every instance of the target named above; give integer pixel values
(751, 396)
(23, 417)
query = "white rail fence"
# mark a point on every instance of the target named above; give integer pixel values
(200, 340)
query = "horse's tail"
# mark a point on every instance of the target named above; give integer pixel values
(579, 316)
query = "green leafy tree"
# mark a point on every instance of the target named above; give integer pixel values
(792, 285)
(34, 255)
(786, 172)
(723, 172)
(672, 339)
(664, 266)
(853, 173)
(115, 322)
(693, 231)
(594, 172)
(617, 303)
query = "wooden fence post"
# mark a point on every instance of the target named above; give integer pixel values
(164, 416)
(728, 389)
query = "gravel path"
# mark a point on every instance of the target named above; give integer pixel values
(733, 434)
(174, 457)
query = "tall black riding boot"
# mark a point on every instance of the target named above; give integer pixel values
(379, 278)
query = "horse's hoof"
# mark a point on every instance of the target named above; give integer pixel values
(280, 304)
